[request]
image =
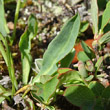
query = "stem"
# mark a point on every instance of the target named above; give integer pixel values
(95, 74)
(15, 21)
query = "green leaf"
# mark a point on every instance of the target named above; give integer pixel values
(82, 56)
(94, 15)
(89, 78)
(99, 105)
(69, 77)
(45, 78)
(60, 47)
(82, 69)
(4, 94)
(106, 93)
(2, 89)
(15, 21)
(68, 59)
(106, 16)
(25, 47)
(99, 62)
(50, 108)
(97, 88)
(89, 66)
(37, 65)
(80, 96)
(106, 98)
(2, 50)
(45, 91)
(3, 26)
(32, 25)
(100, 21)
(87, 50)
(11, 68)
(105, 38)
(64, 70)
(84, 26)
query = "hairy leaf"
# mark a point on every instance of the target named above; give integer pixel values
(94, 15)
(37, 65)
(106, 16)
(60, 47)
(105, 38)
(84, 26)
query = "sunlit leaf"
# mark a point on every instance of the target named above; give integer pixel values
(94, 15)
(84, 26)
(43, 92)
(64, 70)
(60, 47)
(69, 77)
(105, 16)
(105, 38)
(22, 89)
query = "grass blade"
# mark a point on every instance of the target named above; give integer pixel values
(3, 26)
(15, 20)
(9, 62)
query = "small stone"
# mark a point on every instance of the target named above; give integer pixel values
(10, 25)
